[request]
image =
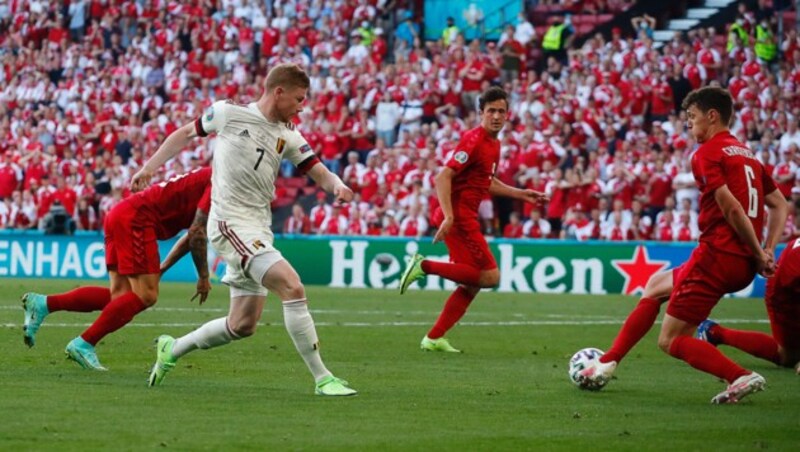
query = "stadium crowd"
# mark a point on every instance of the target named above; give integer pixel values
(91, 88)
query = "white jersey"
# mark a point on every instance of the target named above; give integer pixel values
(247, 156)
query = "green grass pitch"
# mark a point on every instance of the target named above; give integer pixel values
(508, 391)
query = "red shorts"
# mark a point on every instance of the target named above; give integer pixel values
(131, 244)
(707, 276)
(783, 307)
(466, 244)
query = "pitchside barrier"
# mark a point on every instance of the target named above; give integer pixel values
(358, 262)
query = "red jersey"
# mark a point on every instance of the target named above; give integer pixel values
(785, 285)
(512, 231)
(660, 189)
(172, 204)
(474, 162)
(723, 160)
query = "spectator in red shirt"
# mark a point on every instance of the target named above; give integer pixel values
(514, 228)
(641, 227)
(414, 224)
(391, 228)
(659, 189)
(335, 223)
(370, 179)
(10, 176)
(617, 231)
(557, 190)
(784, 172)
(319, 212)
(332, 148)
(353, 171)
(512, 53)
(470, 72)
(664, 227)
(661, 101)
(85, 217)
(620, 187)
(575, 226)
(536, 227)
(685, 231)
(356, 225)
(298, 222)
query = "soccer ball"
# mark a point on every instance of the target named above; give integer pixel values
(578, 362)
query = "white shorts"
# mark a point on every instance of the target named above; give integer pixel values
(486, 210)
(248, 253)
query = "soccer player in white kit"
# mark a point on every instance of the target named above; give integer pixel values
(251, 142)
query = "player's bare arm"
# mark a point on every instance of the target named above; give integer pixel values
(331, 183)
(198, 245)
(444, 189)
(179, 249)
(735, 216)
(174, 143)
(499, 188)
(778, 211)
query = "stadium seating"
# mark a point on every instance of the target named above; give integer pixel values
(188, 73)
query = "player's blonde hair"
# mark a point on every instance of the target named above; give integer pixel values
(286, 76)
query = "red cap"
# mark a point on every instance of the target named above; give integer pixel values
(321, 195)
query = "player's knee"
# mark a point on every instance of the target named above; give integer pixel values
(242, 328)
(471, 290)
(292, 290)
(490, 279)
(148, 297)
(664, 342)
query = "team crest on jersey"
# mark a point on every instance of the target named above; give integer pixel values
(210, 113)
(280, 145)
(305, 148)
(461, 157)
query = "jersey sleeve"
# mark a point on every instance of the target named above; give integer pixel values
(767, 182)
(299, 152)
(463, 156)
(212, 120)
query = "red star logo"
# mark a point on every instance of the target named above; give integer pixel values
(638, 270)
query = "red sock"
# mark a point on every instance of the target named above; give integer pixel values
(460, 273)
(115, 315)
(703, 356)
(755, 343)
(82, 299)
(454, 308)
(638, 323)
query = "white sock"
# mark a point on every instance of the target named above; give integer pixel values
(300, 326)
(209, 335)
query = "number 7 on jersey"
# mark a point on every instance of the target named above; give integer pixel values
(260, 157)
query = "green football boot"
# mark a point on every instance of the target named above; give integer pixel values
(84, 354)
(164, 360)
(437, 345)
(35, 306)
(412, 273)
(332, 386)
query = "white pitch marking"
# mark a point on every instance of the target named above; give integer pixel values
(395, 324)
